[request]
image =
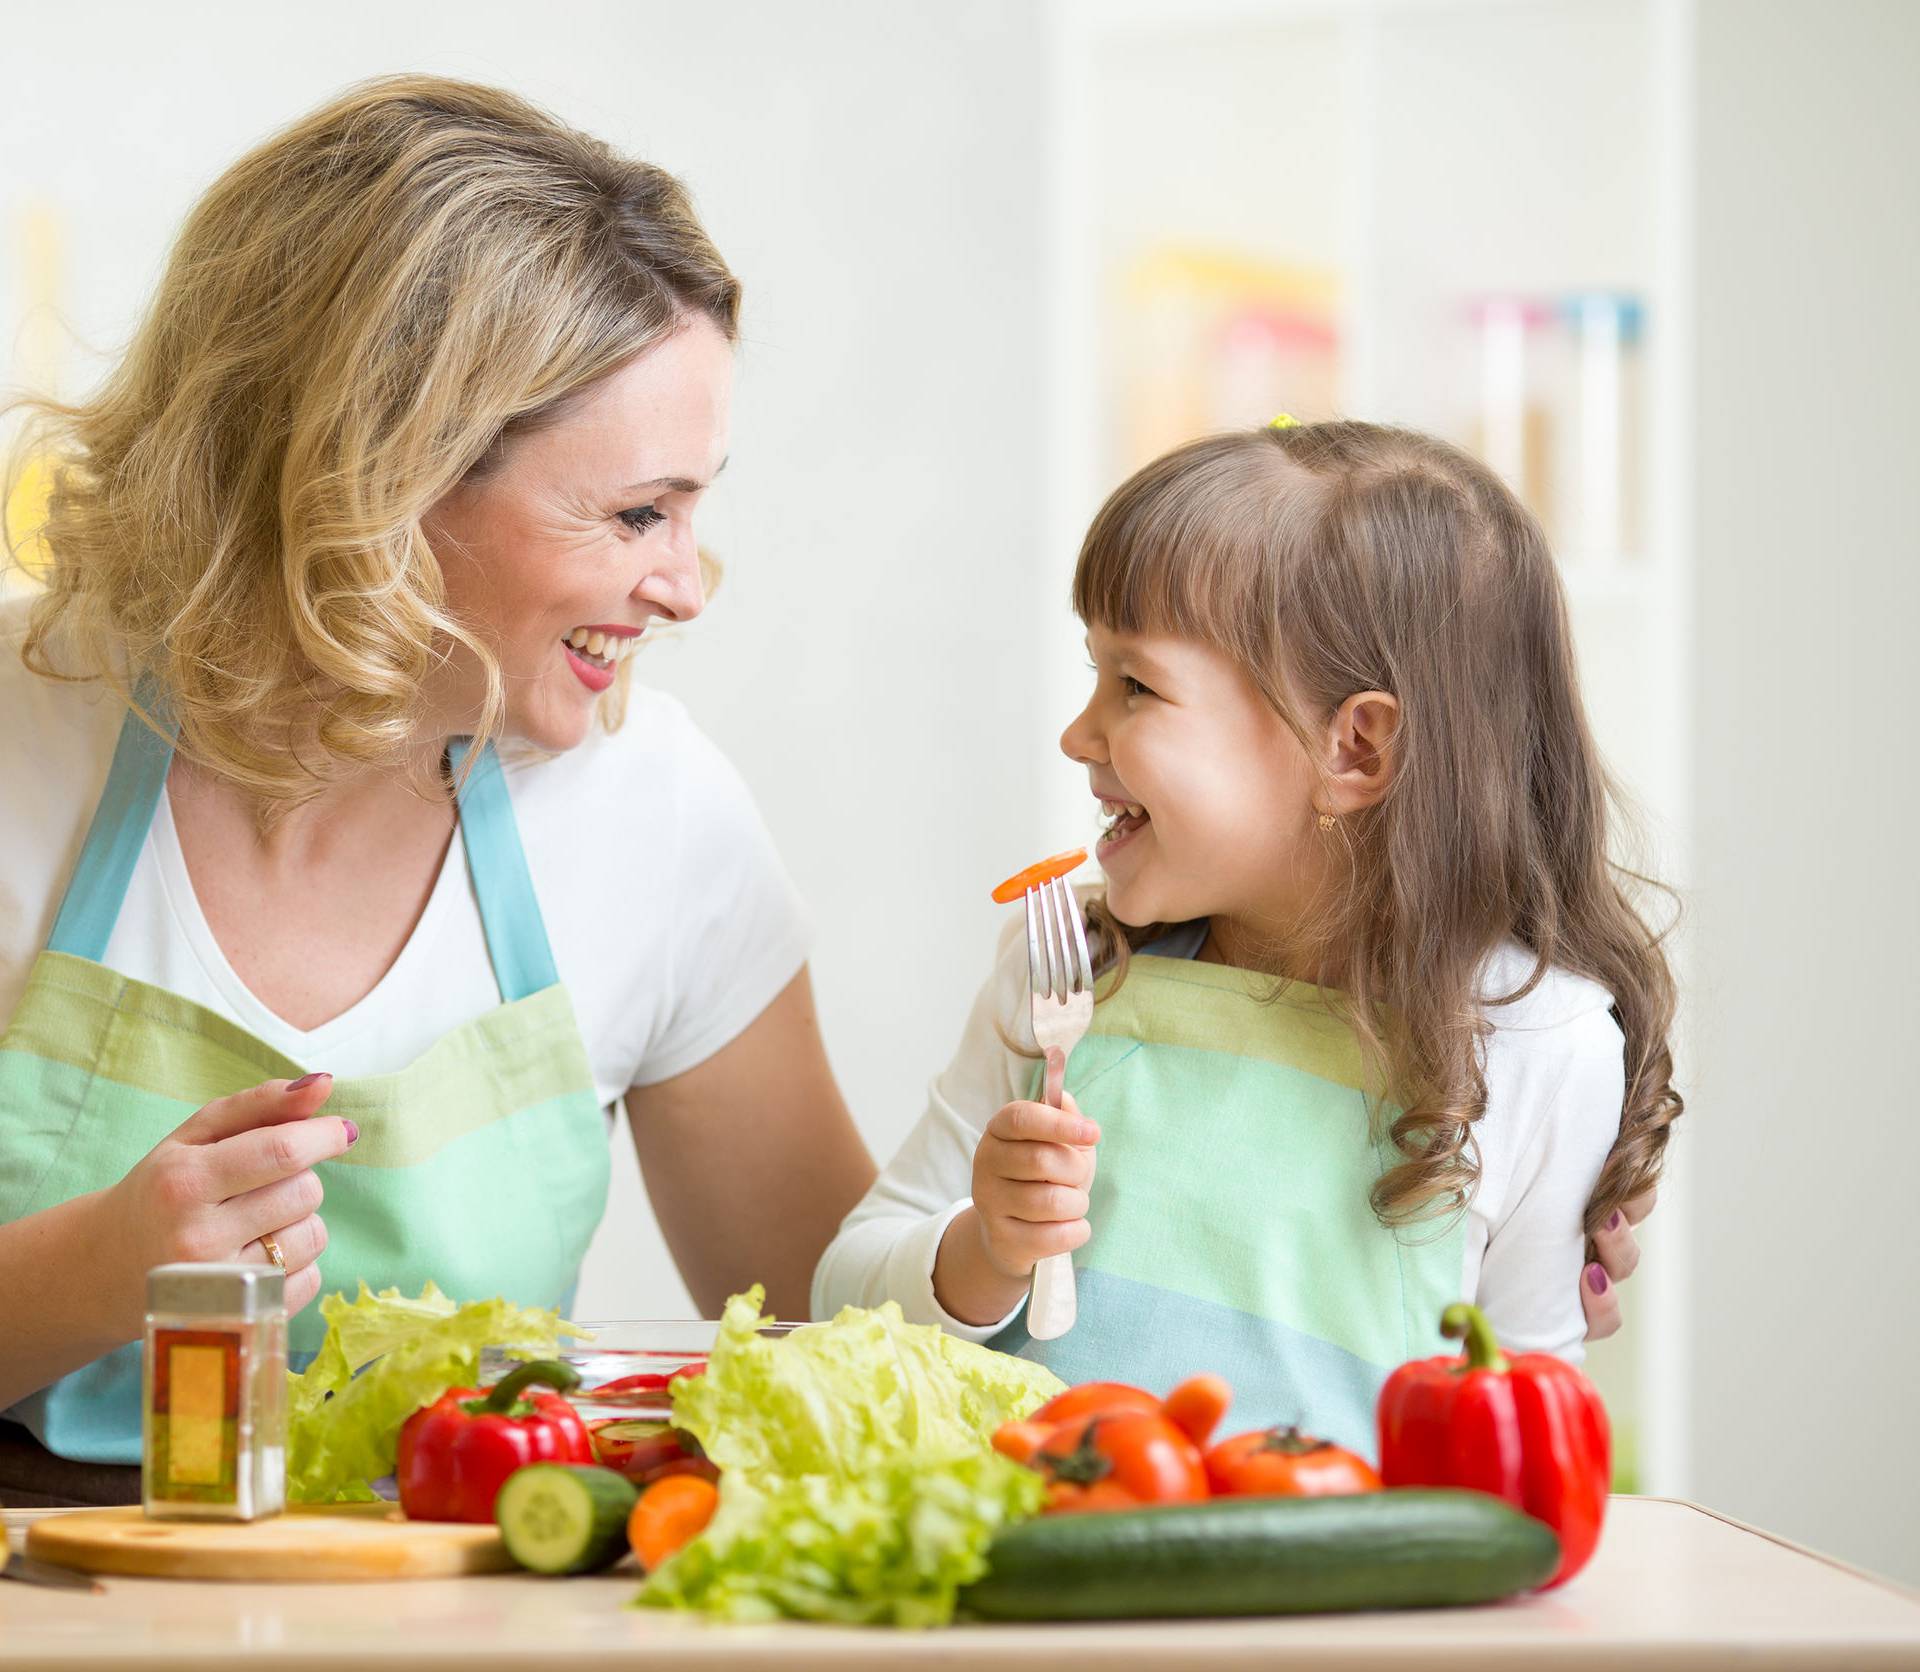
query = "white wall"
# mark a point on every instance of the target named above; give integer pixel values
(1806, 911)
(869, 170)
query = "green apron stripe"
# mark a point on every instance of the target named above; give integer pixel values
(159, 1044)
(1176, 1001)
(1245, 1183)
(1279, 1374)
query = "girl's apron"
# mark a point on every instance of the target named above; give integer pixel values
(482, 1166)
(1231, 1225)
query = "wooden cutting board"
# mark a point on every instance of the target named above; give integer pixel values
(314, 1542)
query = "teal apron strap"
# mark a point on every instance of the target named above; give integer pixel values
(91, 905)
(509, 913)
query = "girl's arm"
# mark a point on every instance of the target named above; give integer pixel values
(750, 1159)
(887, 1247)
(1554, 1099)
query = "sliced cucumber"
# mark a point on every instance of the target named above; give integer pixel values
(565, 1517)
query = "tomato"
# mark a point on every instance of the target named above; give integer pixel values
(1034, 875)
(1094, 1399)
(1120, 1460)
(1284, 1463)
(647, 1381)
(649, 1451)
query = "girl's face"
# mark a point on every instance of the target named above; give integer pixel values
(561, 556)
(1225, 793)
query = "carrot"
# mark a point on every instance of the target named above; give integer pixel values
(1196, 1406)
(670, 1515)
(1034, 875)
(1020, 1440)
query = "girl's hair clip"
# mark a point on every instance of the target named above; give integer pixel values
(1286, 421)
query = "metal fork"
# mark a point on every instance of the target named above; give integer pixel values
(1062, 977)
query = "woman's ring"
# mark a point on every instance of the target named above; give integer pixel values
(273, 1251)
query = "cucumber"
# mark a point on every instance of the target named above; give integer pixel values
(564, 1517)
(1391, 1549)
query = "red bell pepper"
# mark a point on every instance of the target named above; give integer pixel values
(1529, 1429)
(456, 1453)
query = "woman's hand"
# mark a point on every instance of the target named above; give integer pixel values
(1032, 1172)
(1616, 1253)
(240, 1168)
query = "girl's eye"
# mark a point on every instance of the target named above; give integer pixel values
(1134, 687)
(641, 518)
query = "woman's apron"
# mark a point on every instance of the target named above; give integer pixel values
(482, 1166)
(1232, 1230)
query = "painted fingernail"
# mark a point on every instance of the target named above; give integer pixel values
(1597, 1278)
(353, 1134)
(1613, 1224)
(306, 1080)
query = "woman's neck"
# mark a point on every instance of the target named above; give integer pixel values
(364, 809)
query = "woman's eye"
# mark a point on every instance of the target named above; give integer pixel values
(641, 518)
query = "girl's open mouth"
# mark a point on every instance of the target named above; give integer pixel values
(1125, 819)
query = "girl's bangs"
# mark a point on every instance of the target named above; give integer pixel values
(1175, 551)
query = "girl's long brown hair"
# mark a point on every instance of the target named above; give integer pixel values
(1329, 559)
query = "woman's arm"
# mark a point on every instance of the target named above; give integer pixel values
(73, 1277)
(892, 1241)
(55, 1312)
(751, 1159)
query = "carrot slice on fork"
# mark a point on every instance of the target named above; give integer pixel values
(1034, 875)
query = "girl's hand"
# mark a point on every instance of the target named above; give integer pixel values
(1617, 1252)
(1031, 1174)
(239, 1168)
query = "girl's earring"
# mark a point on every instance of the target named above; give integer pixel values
(1328, 824)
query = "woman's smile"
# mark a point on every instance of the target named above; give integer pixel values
(595, 653)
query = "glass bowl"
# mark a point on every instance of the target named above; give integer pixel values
(624, 1370)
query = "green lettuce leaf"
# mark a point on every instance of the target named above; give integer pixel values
(858, 1480)
(383, 1357)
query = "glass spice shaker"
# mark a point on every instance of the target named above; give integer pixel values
(214, 1383)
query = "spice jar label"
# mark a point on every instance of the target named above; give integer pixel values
(196, 1415)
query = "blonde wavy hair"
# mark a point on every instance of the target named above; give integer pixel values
(362, 311)
(1334, 558)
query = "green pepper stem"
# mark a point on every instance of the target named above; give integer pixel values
(505, 1393)
(1463, 1322)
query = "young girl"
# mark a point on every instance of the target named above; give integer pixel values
(1378, 1028)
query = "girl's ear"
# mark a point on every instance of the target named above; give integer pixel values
(1360, 751)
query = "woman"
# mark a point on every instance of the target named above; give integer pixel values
(309, 810)
(399, 470)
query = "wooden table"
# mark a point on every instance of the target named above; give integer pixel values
(1673, 1585)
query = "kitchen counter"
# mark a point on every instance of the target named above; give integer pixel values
(1673, 1585)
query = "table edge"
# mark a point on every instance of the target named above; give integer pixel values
(1885, 1582)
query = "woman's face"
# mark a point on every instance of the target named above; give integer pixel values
(583, 534)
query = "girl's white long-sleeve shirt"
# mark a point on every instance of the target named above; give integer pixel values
(1555, 1076)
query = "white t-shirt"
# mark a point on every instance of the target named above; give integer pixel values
(672, 920)
(1556, 1080)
